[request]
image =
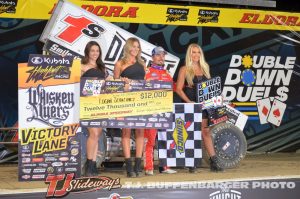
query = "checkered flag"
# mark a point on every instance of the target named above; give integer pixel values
(181, 145)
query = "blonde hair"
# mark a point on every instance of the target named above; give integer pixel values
(190, 73)
(126, 51)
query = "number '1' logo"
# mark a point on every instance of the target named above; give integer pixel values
(78, 26)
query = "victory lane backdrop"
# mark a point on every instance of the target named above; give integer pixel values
(48, 117)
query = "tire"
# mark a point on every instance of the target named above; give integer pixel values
(230, 145)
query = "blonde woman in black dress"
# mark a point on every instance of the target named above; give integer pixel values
(195, 71)
(131, 66)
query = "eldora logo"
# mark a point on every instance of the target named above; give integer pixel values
(228, 194)
(61, 185)
(255, 18)
(108, 11)
(250, 78)
(77, 27)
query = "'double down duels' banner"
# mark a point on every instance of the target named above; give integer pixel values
(48, 117)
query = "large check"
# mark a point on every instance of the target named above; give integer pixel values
(114, 104)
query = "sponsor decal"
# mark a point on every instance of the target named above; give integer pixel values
(41, 101)
(206, 16)
(37, 159)
(42, 164)
(57, 164)
(77, 27)
(50, 169)
(180, 135)
(59, 169)
(8, 6)
(29, 165)
(38, 176)
(208, 89)
(226, 193)
(177, 14)
(63, 159)
(26, 160)
(43, 170)
(158, 125)
(64, 153)
(269, 19)
(78, 185)
(26, 171)
(74, 151)
(50, 159)
(73, 159)
(25, 154)
(117, 196)
(70, 169)
(44, 73)
(25, 177)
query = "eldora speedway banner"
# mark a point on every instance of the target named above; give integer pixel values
(71, 28)
(48, 117)
(114, 104)
(180, 145)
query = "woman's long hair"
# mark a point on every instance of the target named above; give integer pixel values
(126, 51)
(85, 59)
(190, 73)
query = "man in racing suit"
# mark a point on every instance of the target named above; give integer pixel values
(155, 72)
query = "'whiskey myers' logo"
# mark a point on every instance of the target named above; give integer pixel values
(49, 107)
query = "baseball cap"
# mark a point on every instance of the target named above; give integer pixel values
(157, 50)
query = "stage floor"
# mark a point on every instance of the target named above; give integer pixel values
(265, 166)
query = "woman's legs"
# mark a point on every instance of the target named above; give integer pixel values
(91, 150)
(139, 142)
(207, 138)
(208, 143)
(126, 151)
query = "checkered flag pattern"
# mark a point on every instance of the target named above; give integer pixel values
(171, 152)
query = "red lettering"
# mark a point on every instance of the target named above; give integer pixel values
(291, 21)
(131, 12)
(51, 11)
(73, 30)
(246, 18)
(102, 12)
(114, 10)
(53, 182)
(63, 191)
(255, 19)
(267, 20)
(89, 8)
(280, 20)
